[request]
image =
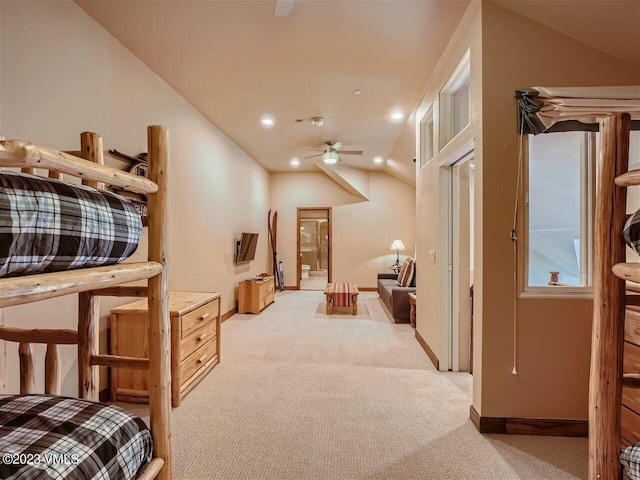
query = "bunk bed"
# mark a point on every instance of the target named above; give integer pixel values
(90, 284)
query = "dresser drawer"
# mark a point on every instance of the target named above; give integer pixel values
(197, 339)
(200, 316)
(200, 359)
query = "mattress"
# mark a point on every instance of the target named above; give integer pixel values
(45, 437)
(47, 226)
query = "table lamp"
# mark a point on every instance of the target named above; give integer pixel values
(397, 245)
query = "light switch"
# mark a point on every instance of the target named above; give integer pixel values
(432, 255)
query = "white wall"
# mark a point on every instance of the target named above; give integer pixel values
(63, 74)
(362, 230)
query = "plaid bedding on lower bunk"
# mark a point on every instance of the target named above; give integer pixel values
(48, 226)
(46, 437)
(630, 459)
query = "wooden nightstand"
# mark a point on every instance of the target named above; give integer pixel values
(195, 344)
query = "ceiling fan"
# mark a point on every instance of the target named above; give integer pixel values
(330, 153)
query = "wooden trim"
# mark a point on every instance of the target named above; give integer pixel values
(17, 153)
(529, 426)
(229, 314)
(58, 337)
(368, 289)
(33, 288)
(291, 287)
(430, 354)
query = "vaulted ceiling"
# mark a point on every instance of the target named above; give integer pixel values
(237, 63)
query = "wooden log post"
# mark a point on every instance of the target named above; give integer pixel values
(605, 386)
(89, 306)
(52, 383)
(91, 149)
(159, 327)
(88, 315)
(27, 378)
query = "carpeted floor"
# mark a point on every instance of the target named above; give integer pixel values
(300, 395)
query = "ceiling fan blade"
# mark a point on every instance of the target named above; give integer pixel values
(314, 148)
(317, 155)
(351, 152)
(337, 145)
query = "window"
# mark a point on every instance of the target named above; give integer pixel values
(559, 200)
(426, 138)
(455, 109)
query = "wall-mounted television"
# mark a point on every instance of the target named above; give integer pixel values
(246, 247)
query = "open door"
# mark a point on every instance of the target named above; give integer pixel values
(314, 248)
(457, 314)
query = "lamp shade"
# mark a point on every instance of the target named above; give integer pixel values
(397, 245)
(330, 157)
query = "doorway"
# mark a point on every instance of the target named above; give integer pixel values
(457, 314)
(314, 248)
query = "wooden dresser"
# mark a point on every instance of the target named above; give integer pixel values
(254, 295)
(195, 344)
(630, 413)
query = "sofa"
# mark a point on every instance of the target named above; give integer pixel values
(395, 298)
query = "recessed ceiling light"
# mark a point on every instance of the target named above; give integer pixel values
(378, 160)
(295, 162)
(268, 122)
(357, 92)
(396, 116)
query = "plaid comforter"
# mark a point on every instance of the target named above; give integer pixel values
(49, 226)
(46, 437)
(631, 232)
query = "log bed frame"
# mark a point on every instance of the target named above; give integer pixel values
(610, 298)
(92, 283)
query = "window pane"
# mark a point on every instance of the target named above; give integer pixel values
(554, 207)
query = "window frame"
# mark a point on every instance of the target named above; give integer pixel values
(588, 167)
(427, 148)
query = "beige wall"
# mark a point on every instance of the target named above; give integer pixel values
(554, 334)
(362, 230)
(508, 52)
(63, 74)
(432, 304)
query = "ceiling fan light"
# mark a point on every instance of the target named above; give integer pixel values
(330, 157)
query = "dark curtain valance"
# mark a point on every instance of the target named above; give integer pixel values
(547, 110)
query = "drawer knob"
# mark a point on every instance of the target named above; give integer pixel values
(204, 317)
(202, 358)
(637, 331)
(201, 337)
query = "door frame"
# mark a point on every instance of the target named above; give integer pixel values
(452, 337)
(330, 252)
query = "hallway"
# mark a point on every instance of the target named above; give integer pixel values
(299, 395)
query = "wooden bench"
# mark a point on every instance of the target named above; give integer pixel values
(348, 291)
